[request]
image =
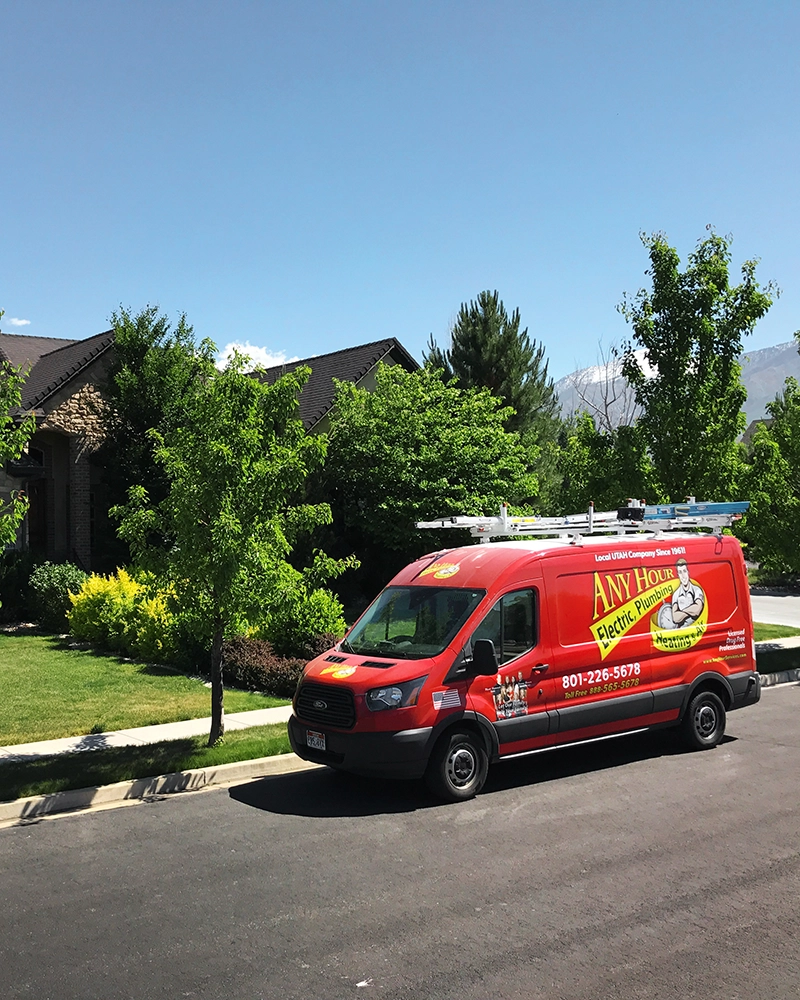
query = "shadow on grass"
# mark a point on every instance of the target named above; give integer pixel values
(19, 779)
(327, 793)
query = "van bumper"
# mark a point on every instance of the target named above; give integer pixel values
(746, 688)
(402, 754)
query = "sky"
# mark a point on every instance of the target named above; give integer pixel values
(303, 176)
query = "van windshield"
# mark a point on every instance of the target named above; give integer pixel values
(412, 622)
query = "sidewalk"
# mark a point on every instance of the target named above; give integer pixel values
(145, 734)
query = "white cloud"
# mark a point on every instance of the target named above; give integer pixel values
(258, 355)
(13, 321)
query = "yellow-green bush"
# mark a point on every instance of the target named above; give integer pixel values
(103, 610)
(156, 629)
(124, 614)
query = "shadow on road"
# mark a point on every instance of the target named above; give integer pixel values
(327, 793)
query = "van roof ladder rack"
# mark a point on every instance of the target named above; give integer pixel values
(635, 517)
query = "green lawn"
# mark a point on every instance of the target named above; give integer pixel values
(104, 767)
(762, 633)
(50, 690)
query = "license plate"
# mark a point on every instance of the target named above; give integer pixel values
(315, 740)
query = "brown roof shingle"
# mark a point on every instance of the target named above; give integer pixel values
(349, 365)
(21, 350)
(52, 370)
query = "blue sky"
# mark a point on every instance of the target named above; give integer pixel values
(305, 176)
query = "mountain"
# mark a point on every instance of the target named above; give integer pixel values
(601, 389)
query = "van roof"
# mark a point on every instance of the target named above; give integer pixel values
(480, 565)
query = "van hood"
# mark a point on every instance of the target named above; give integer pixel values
(361, 672)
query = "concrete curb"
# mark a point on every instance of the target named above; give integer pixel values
(38, 807)
(781, 677)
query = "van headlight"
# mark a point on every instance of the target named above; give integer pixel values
(395, 695)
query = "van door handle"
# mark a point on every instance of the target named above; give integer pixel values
(541, 667)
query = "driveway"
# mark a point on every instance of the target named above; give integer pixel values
(776, 608)
(626, 870)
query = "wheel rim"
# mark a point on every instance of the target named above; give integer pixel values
(462, 765)
(705, 721)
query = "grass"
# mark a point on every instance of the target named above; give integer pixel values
(762, 632)
(50, 691)
(103, 767)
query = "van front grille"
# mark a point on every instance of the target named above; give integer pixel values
(327, 705)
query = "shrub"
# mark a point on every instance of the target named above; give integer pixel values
(155, 630)
(52, 584)
(129, 615)
(302, 618)
(318, 644)
(103, 611)
(252, 664)
(16, 566)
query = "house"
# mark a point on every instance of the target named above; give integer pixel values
(354, 364)
(67, 517)
(62, 485)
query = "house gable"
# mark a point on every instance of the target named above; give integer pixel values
(354, 364)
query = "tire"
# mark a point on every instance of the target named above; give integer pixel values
(458, 767)
(703, 725)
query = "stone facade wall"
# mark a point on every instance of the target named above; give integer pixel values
(79, 414)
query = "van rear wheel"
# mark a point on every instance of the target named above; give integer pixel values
(703, 725)
(458, 767)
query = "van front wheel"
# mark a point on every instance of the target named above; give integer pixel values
(703, 725)
(458, 767)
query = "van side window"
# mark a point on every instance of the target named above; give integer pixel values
(511, 625)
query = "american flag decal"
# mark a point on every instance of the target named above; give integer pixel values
(446, 699)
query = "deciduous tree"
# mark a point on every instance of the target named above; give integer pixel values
(232, 460)
(15, 432)
(691, 325)
(602, 467)
(153, 367)
(771, 482)
(413, 449)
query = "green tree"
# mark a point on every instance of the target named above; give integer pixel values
(224, 529)
(16, 430)
(488, 349)
(411, 450)
(691, 325)
(602, 467)
(771, 482)
(153, 368)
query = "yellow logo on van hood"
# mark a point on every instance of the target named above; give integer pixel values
(442, 570)
(338, 672)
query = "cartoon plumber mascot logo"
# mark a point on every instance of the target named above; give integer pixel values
(687, 602)
(681, 620)
(666, 596)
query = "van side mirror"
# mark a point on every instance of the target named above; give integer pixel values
(484, 658)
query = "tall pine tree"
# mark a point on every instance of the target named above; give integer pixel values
(488, 349)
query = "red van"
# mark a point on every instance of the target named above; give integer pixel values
(475, 654)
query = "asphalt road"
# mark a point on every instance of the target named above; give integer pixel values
(776, 608)
(625, 869)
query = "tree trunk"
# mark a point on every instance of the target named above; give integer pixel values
(217, 709)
